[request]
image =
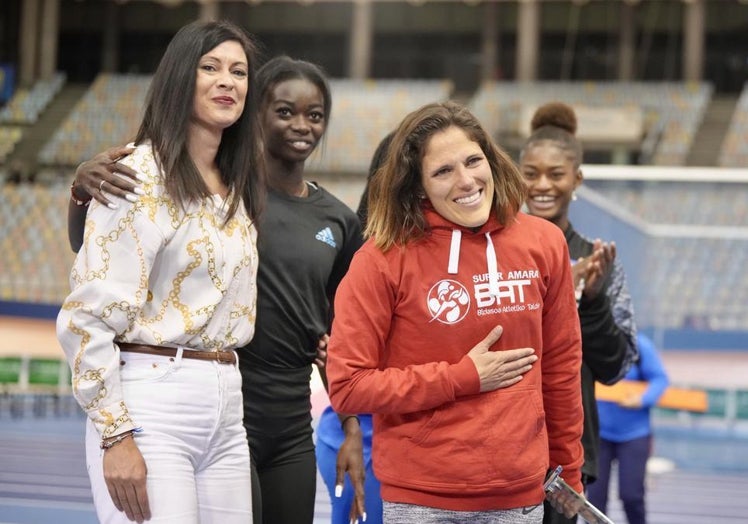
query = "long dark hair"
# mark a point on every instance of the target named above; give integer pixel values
(169, 108)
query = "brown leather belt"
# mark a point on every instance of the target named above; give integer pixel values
(224, 357)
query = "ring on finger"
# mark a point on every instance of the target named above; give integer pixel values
(101, 185)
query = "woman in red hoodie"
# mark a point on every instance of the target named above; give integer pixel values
(456, 327)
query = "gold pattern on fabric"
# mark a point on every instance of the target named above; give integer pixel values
(87, 376)
(154, 272)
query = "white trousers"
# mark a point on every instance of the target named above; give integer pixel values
(193, 441)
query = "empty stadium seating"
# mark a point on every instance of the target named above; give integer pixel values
(9, 137)
(679, 203)
(681, 280)
(363, 112)
(672, 111)
(689, 269)
(27, 104)
(734, 152)
(34, 251)
(107, 115)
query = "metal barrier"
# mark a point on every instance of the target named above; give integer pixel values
(39, 386)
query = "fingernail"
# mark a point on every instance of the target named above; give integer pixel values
(338, 491)
(112, 205)
(131, 198)
(141, 177)
(138, 191)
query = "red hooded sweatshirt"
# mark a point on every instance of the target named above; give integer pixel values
(404, 323)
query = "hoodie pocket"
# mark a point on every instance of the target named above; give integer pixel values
(493, 439)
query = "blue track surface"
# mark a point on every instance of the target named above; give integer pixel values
(43, 475)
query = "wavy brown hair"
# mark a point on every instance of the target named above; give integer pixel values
(395, 196)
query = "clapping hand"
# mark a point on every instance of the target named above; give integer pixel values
(591, 272)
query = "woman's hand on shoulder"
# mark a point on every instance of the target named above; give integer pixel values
(104, 175)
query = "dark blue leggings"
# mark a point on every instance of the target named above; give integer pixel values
(632, 467)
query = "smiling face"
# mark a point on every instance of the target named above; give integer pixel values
(221, 86)
(457, 178)
(294, 119)
(551, 178)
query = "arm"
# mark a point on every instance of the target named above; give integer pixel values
(88, 185)
(607, 320)
(562, 356)
(109, 281)
(350, 457)
(358, 381)
(110, 286)
(652, 371)
(77, 208)
(350, 460)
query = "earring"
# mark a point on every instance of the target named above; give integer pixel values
(574, 195)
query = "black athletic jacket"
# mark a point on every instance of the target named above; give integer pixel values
(608, 344)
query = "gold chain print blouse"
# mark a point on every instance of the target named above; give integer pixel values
(152, 273)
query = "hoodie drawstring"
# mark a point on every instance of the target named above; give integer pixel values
(493, 270)
(454, 252)
(492, 266)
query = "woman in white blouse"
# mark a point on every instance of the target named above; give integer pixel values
(163, 290)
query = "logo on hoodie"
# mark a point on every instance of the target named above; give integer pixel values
(448, 301)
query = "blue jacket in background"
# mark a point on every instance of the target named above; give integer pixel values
(620, 424)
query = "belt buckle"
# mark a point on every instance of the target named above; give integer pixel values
(224, 357)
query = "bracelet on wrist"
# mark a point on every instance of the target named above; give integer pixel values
(106, 444)
(77, 201)
(342, 422)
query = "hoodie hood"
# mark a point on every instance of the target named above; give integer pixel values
(438, 225)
